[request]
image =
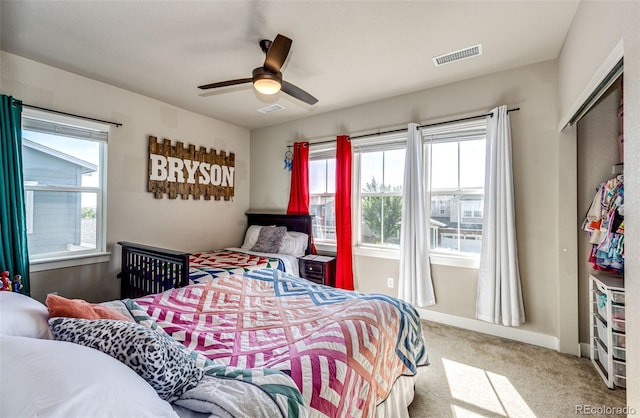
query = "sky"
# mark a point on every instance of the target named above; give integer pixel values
(388, 167)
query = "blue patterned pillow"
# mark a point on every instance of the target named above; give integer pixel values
(167, 368)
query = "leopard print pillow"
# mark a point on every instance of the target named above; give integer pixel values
(167, 368)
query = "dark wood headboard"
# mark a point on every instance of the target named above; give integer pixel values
(298, 223)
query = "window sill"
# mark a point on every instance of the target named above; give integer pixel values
(67, 261)
(440, 259)
(324, 248)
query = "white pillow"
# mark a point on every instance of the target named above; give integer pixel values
(251, 236)
(48, 378)
(21, 316)
(294, 243)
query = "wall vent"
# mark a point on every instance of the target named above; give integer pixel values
(461, 54)
(271, 108)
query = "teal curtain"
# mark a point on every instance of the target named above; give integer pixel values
(14, 256)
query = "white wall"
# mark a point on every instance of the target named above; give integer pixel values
(536, 169)
(133, 214)
(597, 28)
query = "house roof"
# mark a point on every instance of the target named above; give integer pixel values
(85, 166)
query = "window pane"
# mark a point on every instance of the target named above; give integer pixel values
(331, 175)
(371, 171)
(50, 160)
(324, 221)
(472, 164)
(381, 218)
(456, 222)
(444, 165)
(60, 222)
(322, 184)
(371, 228)
(317, 176)
(394, 170)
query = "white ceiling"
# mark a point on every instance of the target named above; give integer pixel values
(344, 53)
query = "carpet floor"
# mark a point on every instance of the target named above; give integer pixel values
(477, 375)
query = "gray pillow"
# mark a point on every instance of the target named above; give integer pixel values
(270, 239)
(167, 368)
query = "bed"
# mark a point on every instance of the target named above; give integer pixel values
(257, 343)
(147, 269)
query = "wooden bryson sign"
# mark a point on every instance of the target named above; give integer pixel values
(176, 170)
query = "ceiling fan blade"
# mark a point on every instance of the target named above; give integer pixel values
(298, 93)
(225, 83)
(277, 53)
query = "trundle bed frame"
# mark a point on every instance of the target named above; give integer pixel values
(148, 270)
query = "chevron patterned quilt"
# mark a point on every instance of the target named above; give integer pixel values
(204, 266)
(344, 350)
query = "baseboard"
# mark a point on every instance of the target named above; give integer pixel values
(585, 350)
(529, 337)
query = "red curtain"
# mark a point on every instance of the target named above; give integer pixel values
(344, 259)
(299, 193)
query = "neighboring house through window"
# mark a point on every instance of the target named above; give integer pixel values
(64, 167)
(322, 193)
(457, 160)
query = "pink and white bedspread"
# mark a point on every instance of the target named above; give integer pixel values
(204, 266)
(344, 350)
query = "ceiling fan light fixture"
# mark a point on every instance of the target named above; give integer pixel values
(266, 82)
(267, 86)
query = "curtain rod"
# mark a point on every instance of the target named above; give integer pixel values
(419, 126)
(71, 114)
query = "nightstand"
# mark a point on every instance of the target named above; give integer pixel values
(318, 269)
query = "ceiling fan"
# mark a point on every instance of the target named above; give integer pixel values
(268, 78)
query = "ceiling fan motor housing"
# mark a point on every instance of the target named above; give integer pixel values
(266, 82)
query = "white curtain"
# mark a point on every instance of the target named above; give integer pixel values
(415, 284)
(499, 290)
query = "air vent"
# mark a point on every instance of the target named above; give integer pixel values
(458, 55)
(271, 108)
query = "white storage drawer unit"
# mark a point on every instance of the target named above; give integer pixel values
(607, 316)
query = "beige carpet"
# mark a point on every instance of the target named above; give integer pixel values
(476, 375)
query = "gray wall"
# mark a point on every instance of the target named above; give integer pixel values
(133, 213)
(535, 159)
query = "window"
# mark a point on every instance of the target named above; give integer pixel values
(457, 159)
(64, 162)
(380, 164)
(455, 155)
(322, 194)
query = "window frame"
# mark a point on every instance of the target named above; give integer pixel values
(437, 257)
(454, 132)
(384, 142)
(97, 132)
(318, 152)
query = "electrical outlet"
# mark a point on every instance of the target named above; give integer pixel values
(390, 282)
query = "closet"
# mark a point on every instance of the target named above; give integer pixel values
(600, 153)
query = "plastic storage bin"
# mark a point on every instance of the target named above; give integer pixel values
(617, 297)
(620, 381)
(602, 331)
(602, 358)
(601, 303)
(619, 340)
(619, 353)
(618, 325)
(619, 368)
